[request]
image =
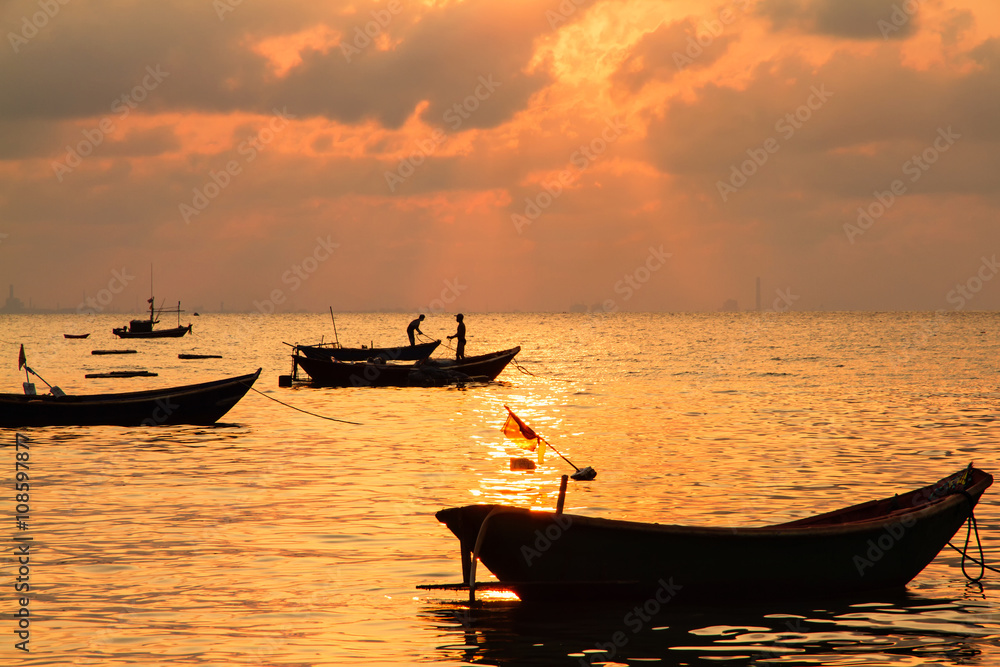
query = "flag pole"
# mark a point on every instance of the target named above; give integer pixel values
(335, 336)
(582, 474)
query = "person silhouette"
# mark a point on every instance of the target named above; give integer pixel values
(460, 335)
(414, 326)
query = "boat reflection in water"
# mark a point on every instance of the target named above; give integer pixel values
(887, 630)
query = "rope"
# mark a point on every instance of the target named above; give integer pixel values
(429, 339)
(527, 372)
(973, 528)
(333, 419)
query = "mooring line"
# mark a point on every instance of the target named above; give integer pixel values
(527, 372)
(333, 419)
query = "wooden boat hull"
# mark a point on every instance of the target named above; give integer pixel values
(868, 547)
(402, 353)
(199, 404)
(78, 336)
(430, 372)
(176, 332)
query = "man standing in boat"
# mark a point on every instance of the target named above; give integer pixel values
(415, 326)
(460, 335)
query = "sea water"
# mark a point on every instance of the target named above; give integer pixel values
(283, 537)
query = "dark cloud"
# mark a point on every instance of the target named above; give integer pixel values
(82, 65)
(471, 55)
(670, 49)
(878, 113)
(928, 131)
(851, 19)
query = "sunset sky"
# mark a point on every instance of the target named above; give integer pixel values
(501, 155)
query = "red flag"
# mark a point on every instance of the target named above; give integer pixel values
(21, 359)
(517, 430)
(521, 429)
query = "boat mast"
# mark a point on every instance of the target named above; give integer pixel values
(151, 312)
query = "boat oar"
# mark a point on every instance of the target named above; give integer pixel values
(28, 369)
(22, 362)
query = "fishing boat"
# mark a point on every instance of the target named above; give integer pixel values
(874, 546)
(333, 351)
(144, 328)
(482, 368)
(199, 404)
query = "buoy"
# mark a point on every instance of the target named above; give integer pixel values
(522, 464)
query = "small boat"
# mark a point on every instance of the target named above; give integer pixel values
(429, 372)
(335, 352)
(122, 374)
(75, 335)
(875, 546)
(144, 328)
(199, 404)
(199, 356)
